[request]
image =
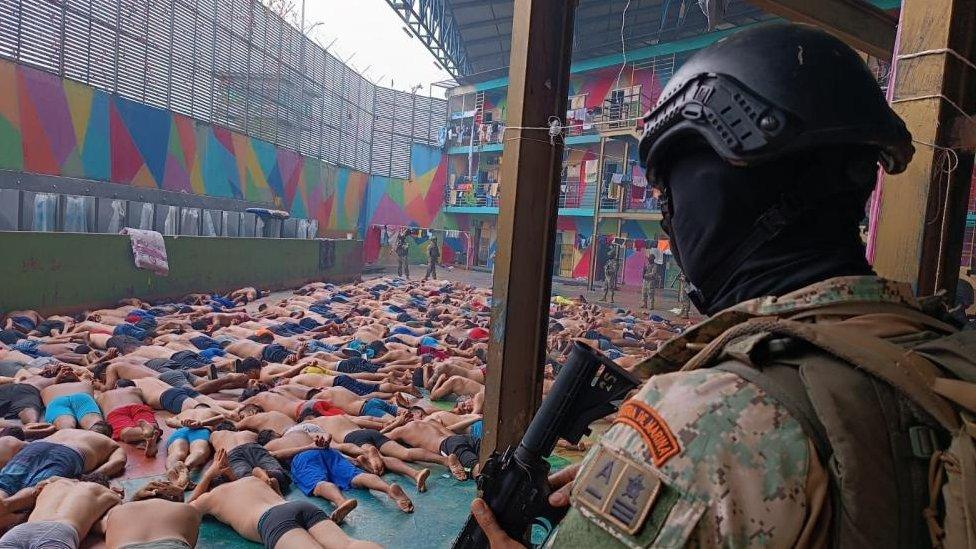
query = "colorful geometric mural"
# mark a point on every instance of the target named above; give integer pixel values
(59, 127)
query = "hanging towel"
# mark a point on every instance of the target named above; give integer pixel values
(148, 250)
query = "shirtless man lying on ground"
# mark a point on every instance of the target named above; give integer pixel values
(434, 437)
(246, 457)
(64, 512)
(71, 404)
(177, 378)
(189, 444)
(163, 396)
(350, 430)
(326, 473)
(68, 453)
(131, 419)
(259, 513)
(174, 524)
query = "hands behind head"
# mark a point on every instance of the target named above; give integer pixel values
(322, 441)
(219, 462)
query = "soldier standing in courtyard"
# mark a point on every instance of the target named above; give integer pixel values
(610, 273)
(433, 256)
(402, 251)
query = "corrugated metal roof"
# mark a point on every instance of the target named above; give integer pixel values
(485, 28)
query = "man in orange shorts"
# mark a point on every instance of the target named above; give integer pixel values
(131, 419)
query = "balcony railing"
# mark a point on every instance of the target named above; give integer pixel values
(459, 134)
(621, 112)
(465, 192)
(573, 195)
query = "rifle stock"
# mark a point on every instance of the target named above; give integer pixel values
(514, 483)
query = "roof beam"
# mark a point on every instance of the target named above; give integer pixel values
(434, 25)
(860, 24)
(476, 3)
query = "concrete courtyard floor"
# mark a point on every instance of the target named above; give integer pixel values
(442, 510)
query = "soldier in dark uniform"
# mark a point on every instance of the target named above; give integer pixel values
(795, 416)
(433, 256)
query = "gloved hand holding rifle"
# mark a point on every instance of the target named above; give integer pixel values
(515, 487)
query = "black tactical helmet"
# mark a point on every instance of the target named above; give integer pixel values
(771, 90)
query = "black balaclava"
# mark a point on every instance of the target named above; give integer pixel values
(714, 208)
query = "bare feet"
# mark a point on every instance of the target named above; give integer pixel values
(151, 434)
(179, 475)
(261, 474)
(401, 400)
(339, 515)
(422, 480)
(400, 497)
(457, 470)
(375, 458)
(365, 464)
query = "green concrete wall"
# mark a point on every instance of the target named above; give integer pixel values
(67, 272)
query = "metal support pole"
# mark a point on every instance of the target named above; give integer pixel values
(923, 211)
(542, 38)
(594, 245)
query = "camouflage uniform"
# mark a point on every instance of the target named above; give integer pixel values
(706, 458)
(402, 252)
(649, 283)
(433, 256)
(610, 275)
(684, 302)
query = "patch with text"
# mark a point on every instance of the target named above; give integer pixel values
(658, 438)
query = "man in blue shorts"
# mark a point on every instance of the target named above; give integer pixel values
(375, 407)
(326, 473)
(71, 405)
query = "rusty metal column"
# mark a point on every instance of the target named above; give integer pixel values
(542, 42)
(594, 248)
(923, 211)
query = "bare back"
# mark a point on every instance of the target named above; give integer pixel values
(73, 502)
(94, 447)
(126, 524)
(240, 504)
(337, 426)
(152, 388)
(274, 420)
(60, 389)
(228, 440)
(110, 400)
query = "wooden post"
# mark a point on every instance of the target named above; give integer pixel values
(923, 211)
(862, 25)
(594, 244)
(542, 41)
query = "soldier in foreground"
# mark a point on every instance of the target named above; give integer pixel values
(804, 421)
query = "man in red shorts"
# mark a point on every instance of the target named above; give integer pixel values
(131, 419)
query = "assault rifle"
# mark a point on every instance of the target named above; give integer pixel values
(514, 483)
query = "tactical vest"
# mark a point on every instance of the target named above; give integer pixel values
(891, 419)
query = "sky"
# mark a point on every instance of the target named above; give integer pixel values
(372, 33)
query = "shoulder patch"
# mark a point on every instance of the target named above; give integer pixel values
(657, 436)
(618, 490)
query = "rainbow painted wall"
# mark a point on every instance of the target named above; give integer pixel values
(53, 126)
